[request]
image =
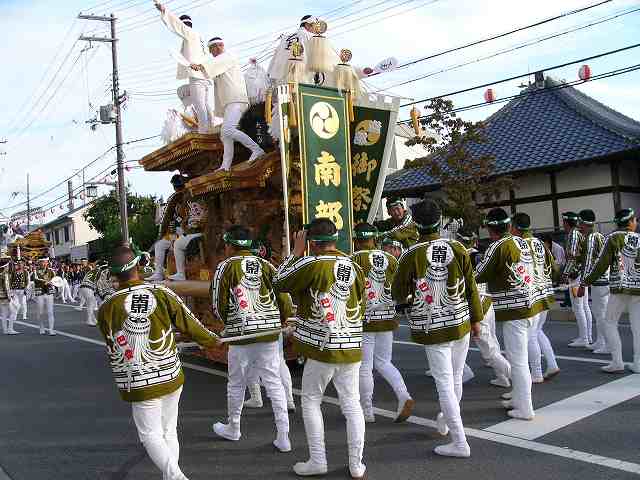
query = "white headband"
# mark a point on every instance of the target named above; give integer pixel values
(215, 42)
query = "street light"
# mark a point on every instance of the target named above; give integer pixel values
(92, 191)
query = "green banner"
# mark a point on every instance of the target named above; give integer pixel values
(368, 139)
(326, 160)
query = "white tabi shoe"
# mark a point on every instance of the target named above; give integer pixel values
(467, 374)
(613, 368)
(428, 373)
(507, 404)
(13, 332)
(500, 381)
(602, 351)
(578, 344)
(309, 468)
(519, 415)
(256, 154)
(537, 379)
(357, 471)
(177, 277)
(156, 277)
(222, 170)
(42, 331)
(291, 405)
(282, 442)
(453, 450)
(52, 333)
(443, 428)
(405, 408)
(635, 367)
(369, 417)
(78, 308)
(227, 431)
(550, 373)
(256, 397)
(507, 396)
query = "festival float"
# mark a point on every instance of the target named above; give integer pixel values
(328, 143)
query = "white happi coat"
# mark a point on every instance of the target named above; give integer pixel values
(193, 48)
(228, 81)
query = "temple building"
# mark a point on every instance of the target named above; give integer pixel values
(565, 150)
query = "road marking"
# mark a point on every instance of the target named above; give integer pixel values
(486, 434)
(4, 475)
(573, 409)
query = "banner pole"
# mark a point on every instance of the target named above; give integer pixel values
(283, 96)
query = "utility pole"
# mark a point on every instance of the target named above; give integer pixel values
(70, 193)
(117, 101)
(28, 206)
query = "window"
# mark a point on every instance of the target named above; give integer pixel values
(56, 236)
(48, 237)
(66, 234)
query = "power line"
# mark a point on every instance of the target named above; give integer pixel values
(612, 73)
(515, 77)
(501, 35)
(512, 49)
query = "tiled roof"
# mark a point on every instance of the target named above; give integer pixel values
(542, 129)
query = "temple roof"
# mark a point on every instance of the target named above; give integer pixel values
(541, 129)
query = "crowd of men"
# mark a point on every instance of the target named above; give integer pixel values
(341, 311)
(45, 280)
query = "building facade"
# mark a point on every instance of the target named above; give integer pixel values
(70, 234)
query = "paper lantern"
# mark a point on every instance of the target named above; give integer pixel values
(584, 73)
(489, 95)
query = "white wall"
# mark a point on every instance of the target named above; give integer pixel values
(587, 176)
(630, 200)
(532, 185)
(602, 205)
(83, 231)
(541, 214)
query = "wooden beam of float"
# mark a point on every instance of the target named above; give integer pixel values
(189, 288)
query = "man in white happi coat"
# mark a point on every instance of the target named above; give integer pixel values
(277, 70)
(193, 50)
(231, 99)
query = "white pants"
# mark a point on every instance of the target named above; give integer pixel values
(230, 133)
(179, 249)
(66, 292)
(265, 360)
(45, 302)
(377, 350)
(20, 302)
(315, 378)
(75, 289)
(447, 365)
(88, 298)
(539, 345)
(157, 422)
(580, 307)
(160, 252)
(200, 90)
(7, 316)
(285, 373)
(618, 304)
(489, 346)
(599, 301)
(516, 337)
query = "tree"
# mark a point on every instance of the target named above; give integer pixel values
(104, 217)
(463, 178)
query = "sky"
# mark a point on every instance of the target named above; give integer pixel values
(47, 101)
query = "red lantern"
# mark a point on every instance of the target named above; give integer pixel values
(489, 95)
(584, 73)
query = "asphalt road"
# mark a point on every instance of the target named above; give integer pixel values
(61, 418)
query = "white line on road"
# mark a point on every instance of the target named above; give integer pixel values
(471, 432)
(573, 409)
(4, 475)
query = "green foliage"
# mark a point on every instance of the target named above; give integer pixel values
(104, 217)
(465, 180)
